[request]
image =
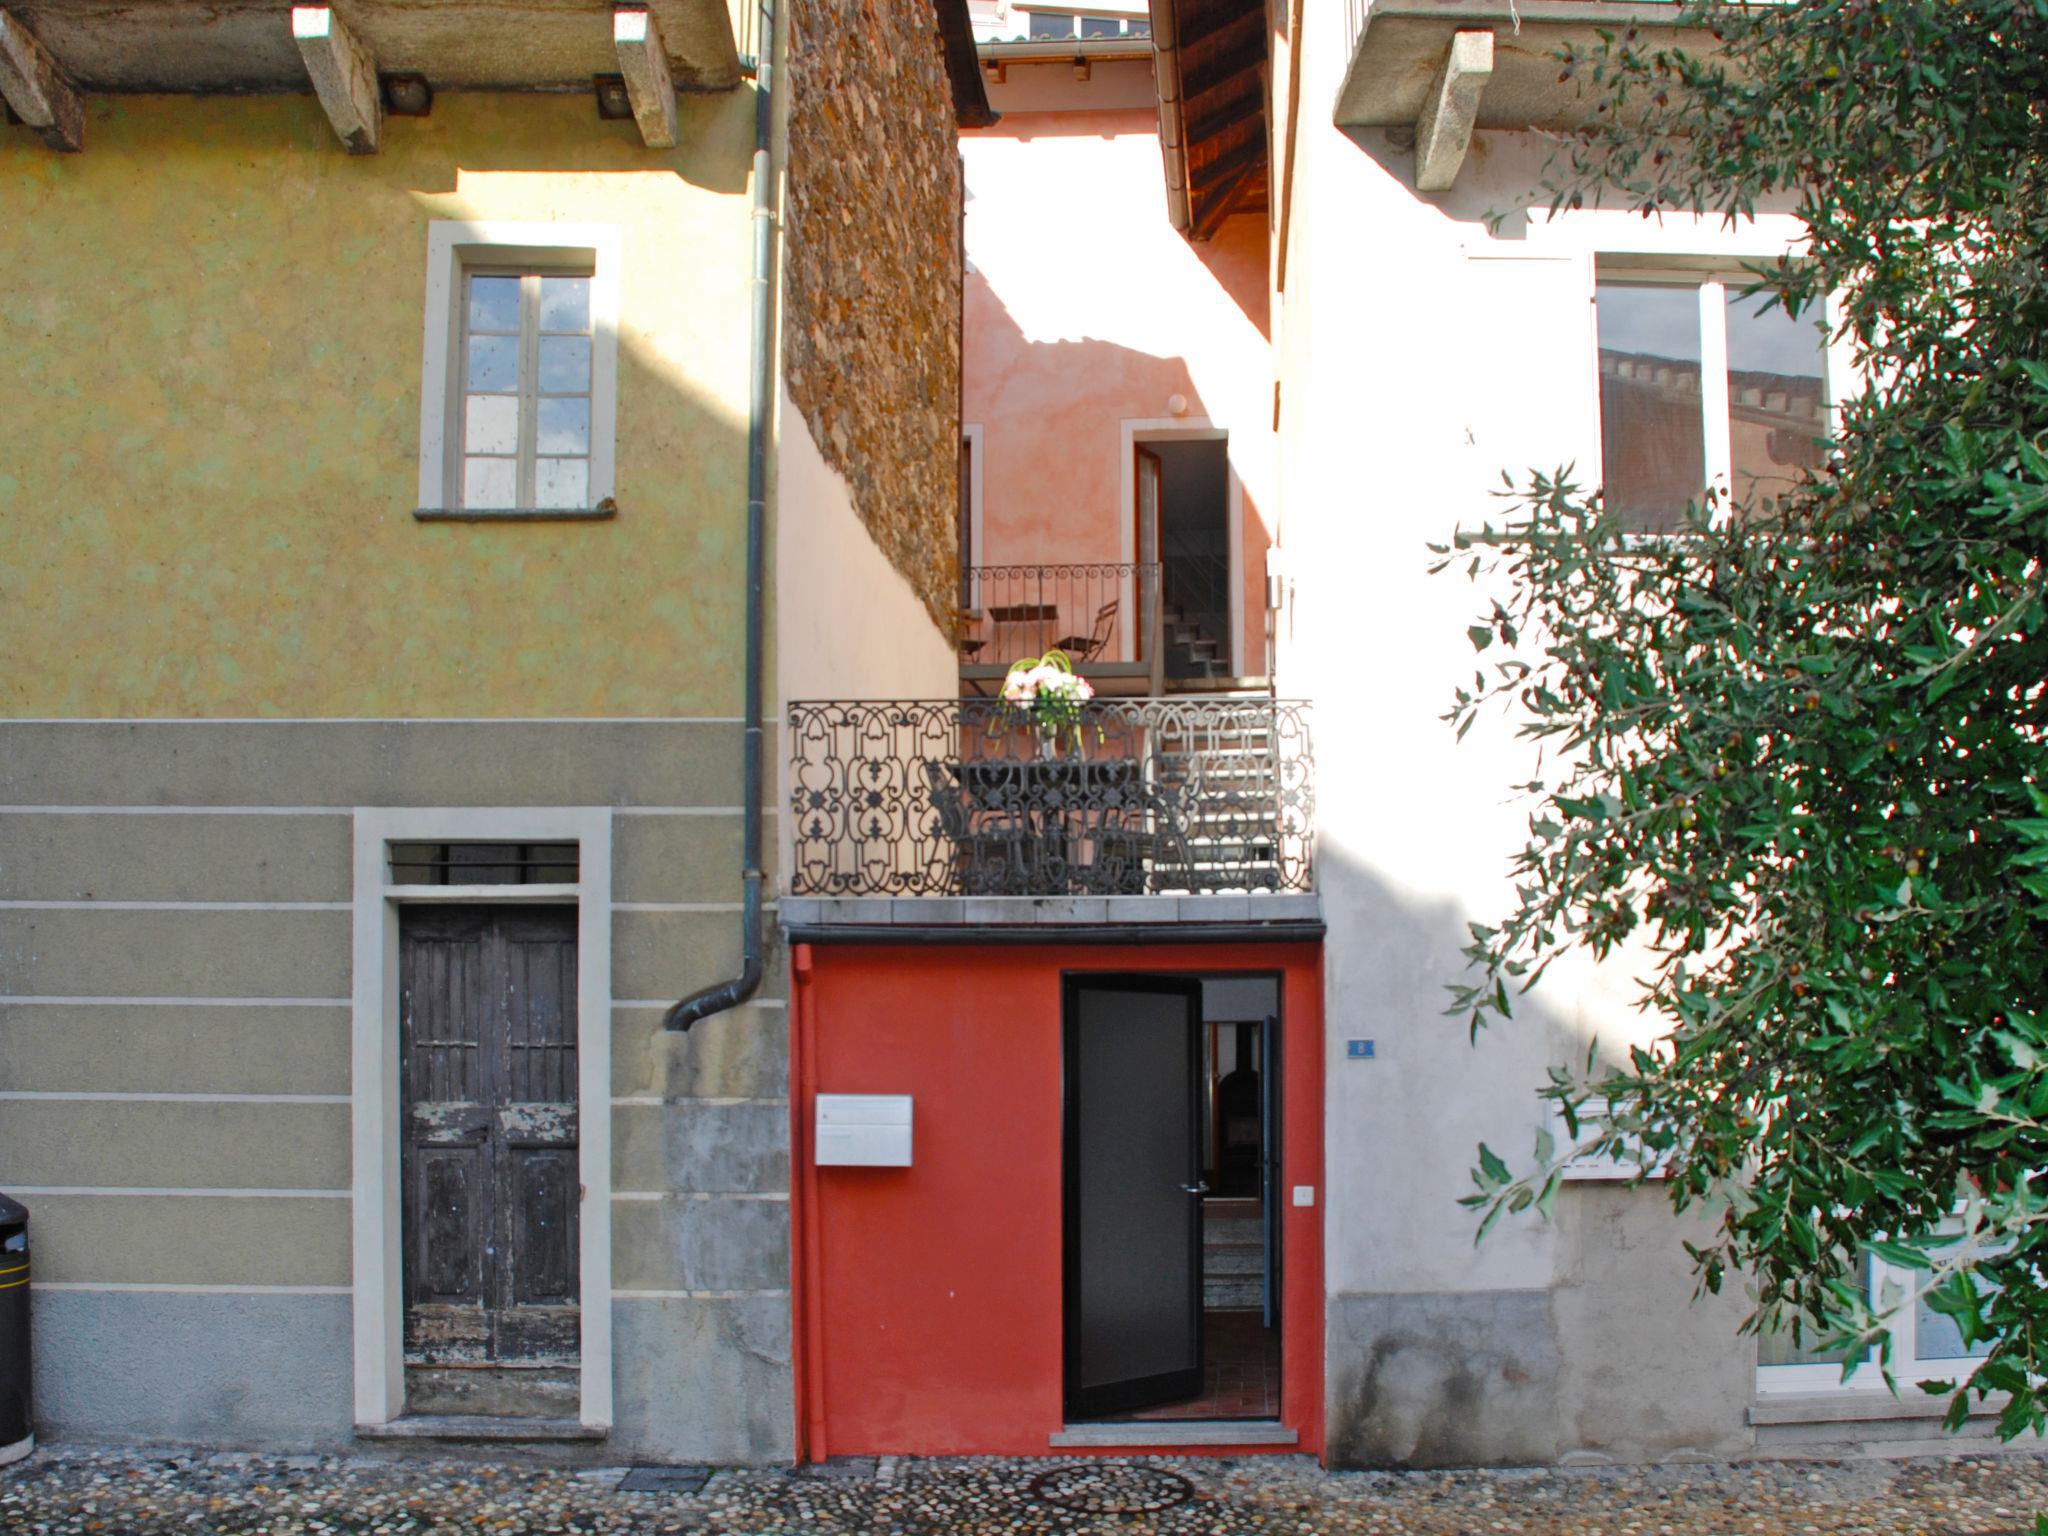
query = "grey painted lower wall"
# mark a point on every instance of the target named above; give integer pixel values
(703, 1380)
(233, 1370)
(1442, 1380)
(179, 925)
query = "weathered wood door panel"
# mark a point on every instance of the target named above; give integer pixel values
(492, 1196)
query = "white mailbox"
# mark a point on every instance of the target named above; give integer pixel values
(863, 1130)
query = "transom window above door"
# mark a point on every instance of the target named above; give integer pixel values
(526, 420)
(1703, 385)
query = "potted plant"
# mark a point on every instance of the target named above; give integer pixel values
(1047, 694)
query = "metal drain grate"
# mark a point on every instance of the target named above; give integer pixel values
(1111, 1488)
(665, 1480)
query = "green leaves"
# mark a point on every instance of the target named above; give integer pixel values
(1797, 765)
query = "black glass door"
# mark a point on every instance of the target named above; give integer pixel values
(1133, 1193)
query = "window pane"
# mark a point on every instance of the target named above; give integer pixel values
(494, 362)
(1051, 24)
(415, 863)
(565, 304)
(490, 483)
(565, 365)
(1652, 441)
(491, 424)
(565, 424)
(1100, 26)
(551, 864)
(494, 304)
(1936, 1336)
(1777, 398)
(561, 483)
(1778, 1348)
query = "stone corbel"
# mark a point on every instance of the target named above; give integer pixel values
(1444, 130)
(37, 90)
(344, 76)
(644, 63)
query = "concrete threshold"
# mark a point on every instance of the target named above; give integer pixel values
(478, 1428)
(1166, 1434)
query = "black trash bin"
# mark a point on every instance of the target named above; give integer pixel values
(17, 1430)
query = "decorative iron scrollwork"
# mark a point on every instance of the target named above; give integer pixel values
(955, 798)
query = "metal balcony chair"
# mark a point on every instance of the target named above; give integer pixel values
(1080, 648)
(992, 859)
(1143, 846)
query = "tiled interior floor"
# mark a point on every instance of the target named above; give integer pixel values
(1240, 1371)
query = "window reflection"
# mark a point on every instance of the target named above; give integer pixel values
(1777, 399)
(1652, 443)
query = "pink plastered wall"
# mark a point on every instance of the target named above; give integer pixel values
(1086, 311)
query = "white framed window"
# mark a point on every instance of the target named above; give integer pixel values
(1703, 387)
(1073, 24)
(1926, 1345)
(519, 374)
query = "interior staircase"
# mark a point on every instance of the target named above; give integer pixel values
(1233, 1255)
(1192, 653)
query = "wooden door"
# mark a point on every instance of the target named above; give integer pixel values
(487, 1010)
(1150, 512)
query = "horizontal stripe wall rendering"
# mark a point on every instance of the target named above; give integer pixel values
(176, 1087)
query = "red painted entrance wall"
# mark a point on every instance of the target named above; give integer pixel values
(928, 1298)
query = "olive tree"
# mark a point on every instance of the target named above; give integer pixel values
(1797, 753)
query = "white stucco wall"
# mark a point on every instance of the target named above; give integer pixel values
(847, 623)
(1421, 356)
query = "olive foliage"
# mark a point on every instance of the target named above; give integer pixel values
(1797, 755)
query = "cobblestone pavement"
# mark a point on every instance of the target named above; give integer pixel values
(116, 1492)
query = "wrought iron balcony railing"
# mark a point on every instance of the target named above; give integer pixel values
(955, 798)
(1104, 614)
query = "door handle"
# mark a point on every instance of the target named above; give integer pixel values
(1195, 1189)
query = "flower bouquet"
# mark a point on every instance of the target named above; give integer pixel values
(1046, 693)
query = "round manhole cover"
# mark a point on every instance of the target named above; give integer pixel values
(1111, 1488)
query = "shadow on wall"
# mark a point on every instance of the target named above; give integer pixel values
(1581, 1335)
(1054, 477)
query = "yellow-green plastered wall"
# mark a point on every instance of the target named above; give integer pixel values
(212, 323)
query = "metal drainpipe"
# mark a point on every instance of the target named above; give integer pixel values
(1172, 124)
(730, 994)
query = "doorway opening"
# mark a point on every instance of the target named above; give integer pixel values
(1172, 1258)
(1183, 523)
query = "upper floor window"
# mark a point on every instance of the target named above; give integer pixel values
(526, 390)
(519, 387)
(1065, 24)
(1701, 386)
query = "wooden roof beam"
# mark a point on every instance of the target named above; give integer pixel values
(1220, 71)
(644, 63)
(344, 76)
(1216, 185)
(1444, 130)
(1246, 23)
(1213, 124)
(1222, 198)
(37, 90)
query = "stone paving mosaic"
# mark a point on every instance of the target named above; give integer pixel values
(105, 1492)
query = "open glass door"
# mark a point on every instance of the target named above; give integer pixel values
(1133, 1193)
(1269, 1163)
(1151, 484)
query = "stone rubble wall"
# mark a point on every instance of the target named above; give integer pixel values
(871, 324)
